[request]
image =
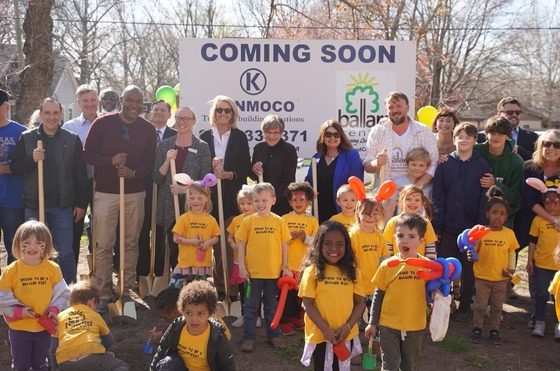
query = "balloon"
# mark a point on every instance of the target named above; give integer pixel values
(174, 106)
(177, 88)
(537, 184)
(183, 178)
(357, 187)
(477, 232)
(455, 268)
(386, 190)
(167, 94)
(423, 263)
(427, 114)
(209, 180)
(285, 283)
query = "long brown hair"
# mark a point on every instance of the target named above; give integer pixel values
(345, 144)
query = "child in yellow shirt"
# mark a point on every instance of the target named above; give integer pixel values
(196, 340)
(263, 256)
(346, 199)
(554, 289)
(496, 257)
(302, 227)
(83, 335)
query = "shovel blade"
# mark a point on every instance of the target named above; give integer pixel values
(515, 279)
(369, 361)
(145, 285)
(160, 284)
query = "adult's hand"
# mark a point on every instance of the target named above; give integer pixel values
(119, 159)
(125, 172)
(38, 154)
(487, 180)
(258, 168)
(78, 213)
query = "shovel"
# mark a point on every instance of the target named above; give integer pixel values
(122, 308)
(91, 257)
(369, 361)
(47, 323)
(314, 180)
(515, 278)
(41, 187)
(161, 282)
(223, 307)
(145, 284)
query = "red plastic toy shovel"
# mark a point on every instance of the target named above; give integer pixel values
(47, 323)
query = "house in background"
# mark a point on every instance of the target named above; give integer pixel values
(63, 87)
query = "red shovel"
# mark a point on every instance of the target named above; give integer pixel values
(285, 284)
(47, 323)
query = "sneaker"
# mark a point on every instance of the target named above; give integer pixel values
(495, 337)
(259, 322)
(277, 342)
(297, 324)
(540, 327)
(238, 322)
(102, 306)
(531, 323)
(464, 313)
(248, 346)
(557, 331)
(286, 329)
(476, 335)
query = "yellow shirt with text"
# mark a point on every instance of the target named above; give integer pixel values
(389, 234)
(347, 221)
(192, 349)
(297, 248)
(547, 241)
(190, 225)
(493, 254)
(369, 248)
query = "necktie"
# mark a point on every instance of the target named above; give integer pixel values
(158, 135)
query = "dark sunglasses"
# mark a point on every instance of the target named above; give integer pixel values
(329, 134)
(511, 112)
(125, 133)
(550, 144)
(220, 110)
(111, 98)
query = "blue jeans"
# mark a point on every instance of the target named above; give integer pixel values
(542, 277)
(61, 224)
(10, 220)
(268, 289)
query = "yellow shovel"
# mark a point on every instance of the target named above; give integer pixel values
(515, 278)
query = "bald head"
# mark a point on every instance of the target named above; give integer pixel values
(132, 103)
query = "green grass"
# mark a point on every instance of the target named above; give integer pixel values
(455, 344)
(478, 361)
(292, 353)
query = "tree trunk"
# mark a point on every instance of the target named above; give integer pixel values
(37, 75)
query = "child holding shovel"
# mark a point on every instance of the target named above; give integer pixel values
(31, 286)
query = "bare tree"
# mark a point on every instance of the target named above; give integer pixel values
(38, 48)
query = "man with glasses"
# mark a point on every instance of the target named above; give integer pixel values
(160, 113)
(118, 145)
(390, 140)
(109, 101)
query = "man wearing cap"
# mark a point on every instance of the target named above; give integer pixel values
(11, 186)
(64, 180)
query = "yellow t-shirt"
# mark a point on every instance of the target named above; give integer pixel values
(264, 238)
(334, 299)
(192, 349)
(389, 234)
(369, 248)
(297, 248)
(404, 304)
(547, 241)
(232, 229)
(33, 287)
(190, 225)
(493, 250)
(79, 332)
(347, 221)
(554, 289)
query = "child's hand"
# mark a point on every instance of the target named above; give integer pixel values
(233, 245)
(487, 180)
(177, 239)
(294, 234)
(205, 245)
(342, 332)
(243, 272)
(507, 272)
(329, 335)
(469, 255)
(52, 315)
(286, 272)
(27, 312)
(529, 267)
(370, 330)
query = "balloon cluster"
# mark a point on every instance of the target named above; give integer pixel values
(168, 94)
(427, 115)
(209, 180)
(438, 273)
(384, 193)
(468, 239)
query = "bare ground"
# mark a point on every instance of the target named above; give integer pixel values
(519, 351)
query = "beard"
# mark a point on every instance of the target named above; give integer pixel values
(398, 121)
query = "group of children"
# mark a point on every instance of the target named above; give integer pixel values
(350, 262)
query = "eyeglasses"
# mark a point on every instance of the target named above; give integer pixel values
(330, 134)
(111, 98)
(273, 133)
(511, 112)
(125, 133)
(183, 119)
(547, 144)
(220, 110)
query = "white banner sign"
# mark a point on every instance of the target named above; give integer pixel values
(306, 82)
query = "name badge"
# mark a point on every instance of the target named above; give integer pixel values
(192, 150)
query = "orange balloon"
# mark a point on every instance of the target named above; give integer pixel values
(357, 187)
(386, 190)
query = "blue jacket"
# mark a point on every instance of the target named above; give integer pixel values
(459, 201)
(348, 164)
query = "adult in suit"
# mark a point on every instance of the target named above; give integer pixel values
(160, 113)
(192, 156)
(232, 164)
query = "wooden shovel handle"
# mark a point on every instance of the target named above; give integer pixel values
(41, 185)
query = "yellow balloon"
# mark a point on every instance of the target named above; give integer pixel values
(427, 114)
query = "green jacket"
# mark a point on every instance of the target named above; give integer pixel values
(507, 169)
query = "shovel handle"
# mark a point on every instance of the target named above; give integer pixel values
(314, 180)
(174, 182)
(41, 185)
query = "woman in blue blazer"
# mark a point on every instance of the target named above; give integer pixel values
(337, 161)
